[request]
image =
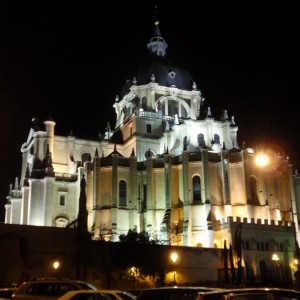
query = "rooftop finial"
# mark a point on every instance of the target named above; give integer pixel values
(155, 15)
(157, 45)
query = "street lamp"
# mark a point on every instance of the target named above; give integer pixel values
(275, 259)
(174, 257)
(133, 271)
(56, 265)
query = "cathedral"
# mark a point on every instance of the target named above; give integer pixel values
(168, 168)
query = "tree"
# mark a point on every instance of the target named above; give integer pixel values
(238, 246)
(233, 274)
(226, 263)
(133, 236)
(140, 251)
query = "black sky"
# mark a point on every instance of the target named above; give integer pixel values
(70, 60)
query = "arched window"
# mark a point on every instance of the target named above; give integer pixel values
(196, 189)
(201, 141)
(185, 142)
(129, 109)
(144, 103)
(122, 193)
(85, 157)
(216, 139)
(149, 153)
(171, 107)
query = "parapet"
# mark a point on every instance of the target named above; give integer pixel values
(234, 222)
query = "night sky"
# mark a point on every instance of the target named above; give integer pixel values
(70, 60)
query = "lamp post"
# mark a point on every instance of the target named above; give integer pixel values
(174, 257)
(56, 265)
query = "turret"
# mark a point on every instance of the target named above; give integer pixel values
(49, 126)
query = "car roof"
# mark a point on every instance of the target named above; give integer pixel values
(104, 291)
(204, 288)
(71, 293)
(55, 279)
(248, 290)
(35, 281)
(158, 292)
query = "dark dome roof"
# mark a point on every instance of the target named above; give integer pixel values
(158, 69)
(165, 74)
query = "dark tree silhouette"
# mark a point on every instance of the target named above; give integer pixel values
(233, 274)
(137, 249)
(226, 263)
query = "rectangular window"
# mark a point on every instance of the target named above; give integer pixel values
(122, 192)
(247, 245)
(62, 200)
(148, 128)
(281, 247)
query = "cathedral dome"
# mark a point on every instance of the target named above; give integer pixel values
(158, 69)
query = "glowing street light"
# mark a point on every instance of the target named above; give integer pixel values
(262, 160)
(174, 257)
(56, 265)
(275, 259)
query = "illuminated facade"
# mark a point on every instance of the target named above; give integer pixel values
(168, 168)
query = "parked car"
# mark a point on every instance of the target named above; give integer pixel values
(135, 292)
(49, 288)
(250, 294)
(172, 293)
(6, 293)
(98, 295)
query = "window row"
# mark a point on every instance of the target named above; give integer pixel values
(123, 192)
